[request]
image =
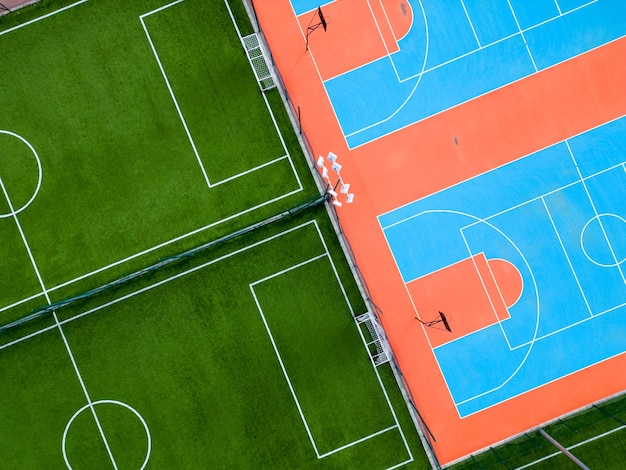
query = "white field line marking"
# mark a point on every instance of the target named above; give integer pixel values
(345, 296)
(178, 110)
(286, 270)
(251, 170)
(267, 104)
(173, 240)
(193, 232)
(31, 335)
(111, 402)
(597, 214)
(165, 281)
(358, 441)
(56, 319)
(569, 262)
(20, 302)
(48, 15)
(283, 368)
(184, 122)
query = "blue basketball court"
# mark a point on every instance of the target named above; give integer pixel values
(558, 216)
(457, 50)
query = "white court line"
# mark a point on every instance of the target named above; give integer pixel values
(471, 24)
(531, 343)
(286, 375)
(577, 181)
(523, 37)
(558, 7)
(58, 325)
(597, 214)
(48, 15)
(424, 71)
(569, 262)
(417, 315)
(415, 86)
(532, 277)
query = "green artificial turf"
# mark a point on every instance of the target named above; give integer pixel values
(120, 174)
(194, 357)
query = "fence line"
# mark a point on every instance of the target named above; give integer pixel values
(56, 306)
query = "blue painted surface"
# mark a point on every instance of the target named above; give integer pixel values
(304, 6)
(533, 12)
(559, 217)
(443, 61)
(492, 19)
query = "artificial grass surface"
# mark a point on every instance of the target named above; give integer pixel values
(194, 358)
(120, 175)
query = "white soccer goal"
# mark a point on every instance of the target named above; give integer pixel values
(377, 345)
(259, 60)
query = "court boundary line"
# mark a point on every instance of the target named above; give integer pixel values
(461, 56)
(567, 257)
(556, 232)
(548, 383)
(90, 403)
(192, 232)
(325, 255)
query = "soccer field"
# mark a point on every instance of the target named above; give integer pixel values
(229, 362)
(131, 134)
(130, 137)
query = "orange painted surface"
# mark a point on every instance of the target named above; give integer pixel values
(418, 160)
(400, 16)
(467, 293)
(357, 34)
(508, 279)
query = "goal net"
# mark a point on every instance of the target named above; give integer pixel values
(259, 60)
(375, 338)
